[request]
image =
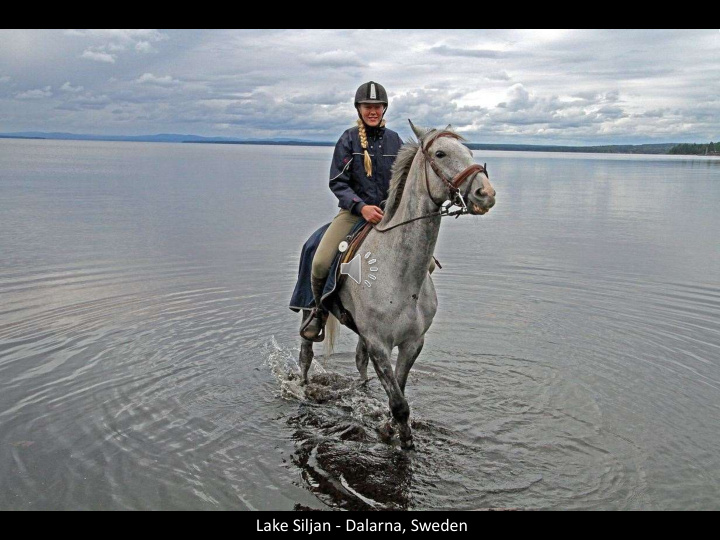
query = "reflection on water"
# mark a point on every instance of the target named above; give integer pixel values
(148, 358)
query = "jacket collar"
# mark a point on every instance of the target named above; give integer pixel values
(374, 131)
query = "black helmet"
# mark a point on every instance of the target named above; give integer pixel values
(371, 92)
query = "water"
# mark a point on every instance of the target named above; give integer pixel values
(148, 358)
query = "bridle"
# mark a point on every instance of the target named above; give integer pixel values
(453, 184)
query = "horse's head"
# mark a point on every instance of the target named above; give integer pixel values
(451, 172)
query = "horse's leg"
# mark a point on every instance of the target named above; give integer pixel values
(306, 354)
(361, 359)
(380, 356)
(407, 353)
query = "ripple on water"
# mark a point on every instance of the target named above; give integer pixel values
(522, 454)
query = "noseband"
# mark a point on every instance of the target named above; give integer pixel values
(452, 184)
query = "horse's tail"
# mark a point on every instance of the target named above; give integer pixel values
(331, 331)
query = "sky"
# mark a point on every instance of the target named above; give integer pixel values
(493, 86)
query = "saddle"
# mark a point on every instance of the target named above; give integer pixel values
(302, 297)
(355, 240)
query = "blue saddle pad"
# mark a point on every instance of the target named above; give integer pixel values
(302, 297)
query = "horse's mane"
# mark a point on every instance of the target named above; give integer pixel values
(400, 171)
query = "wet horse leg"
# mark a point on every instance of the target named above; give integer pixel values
(306, 354)
(407, 354)
(380, 356)
(361, 359)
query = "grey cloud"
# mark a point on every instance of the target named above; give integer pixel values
(322, 98)
(98, 56)
(85, 102)
(336, 58)
(444, 50)
(131, 35)
(655, 113)
(501, 75)
(67, 87)
(108, 44)
(586, 85)
(144, 47)
(149, 78)
(37, 93)
(610, 112)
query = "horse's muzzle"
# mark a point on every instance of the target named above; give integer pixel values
(480, 203)
(482, 199)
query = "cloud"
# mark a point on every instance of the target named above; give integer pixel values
(38, 93)
(149, 78)
(85, 102)
(494, 85)
(336, 58)
(444, 50)
(98, 56)
(144, 47)
(67, 87)
(322, 98)
(109, 43)
(501, 75)
(122, 36)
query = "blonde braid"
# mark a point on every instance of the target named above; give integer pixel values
(364, 144)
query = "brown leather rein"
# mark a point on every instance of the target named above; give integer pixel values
(453, 184)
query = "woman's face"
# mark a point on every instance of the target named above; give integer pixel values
(372, 113)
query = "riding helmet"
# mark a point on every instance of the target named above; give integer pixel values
(371, 92)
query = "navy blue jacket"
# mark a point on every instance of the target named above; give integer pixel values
(348, 180)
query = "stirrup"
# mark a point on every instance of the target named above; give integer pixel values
(320, 336)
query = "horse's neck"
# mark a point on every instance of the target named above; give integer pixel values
(414, 243)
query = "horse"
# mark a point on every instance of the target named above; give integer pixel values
(397, 307)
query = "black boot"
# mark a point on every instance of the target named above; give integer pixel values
(314, 325)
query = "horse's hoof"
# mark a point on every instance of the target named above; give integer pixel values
(408, 445)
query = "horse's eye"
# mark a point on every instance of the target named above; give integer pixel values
(440, 154)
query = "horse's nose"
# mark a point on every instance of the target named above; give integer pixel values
(487, 195)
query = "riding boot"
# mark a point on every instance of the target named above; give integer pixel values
(312, 328)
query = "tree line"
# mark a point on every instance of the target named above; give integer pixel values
(712, 149)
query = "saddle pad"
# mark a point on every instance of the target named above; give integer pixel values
(302, 297)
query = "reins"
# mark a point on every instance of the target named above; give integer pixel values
(453, 185)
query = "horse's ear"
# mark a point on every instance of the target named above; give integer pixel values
(449, 127)
(419, 132)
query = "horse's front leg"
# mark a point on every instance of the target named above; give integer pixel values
(361, 359)
(380, 356)
(407, 354)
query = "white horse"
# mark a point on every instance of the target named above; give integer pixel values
(397, 308)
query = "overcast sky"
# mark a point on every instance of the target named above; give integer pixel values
(494, 86)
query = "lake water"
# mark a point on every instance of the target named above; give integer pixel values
(147, 354)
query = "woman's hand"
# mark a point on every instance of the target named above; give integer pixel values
(373, 214)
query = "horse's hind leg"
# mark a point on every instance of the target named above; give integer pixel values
(407, 354)
(306, 354)
(380, 357)
(306, 358)
(361, 359)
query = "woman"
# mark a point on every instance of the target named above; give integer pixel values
(359, 178)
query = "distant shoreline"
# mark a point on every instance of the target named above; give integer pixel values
(647, 149)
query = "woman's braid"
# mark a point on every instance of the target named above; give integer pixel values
(364, 144)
